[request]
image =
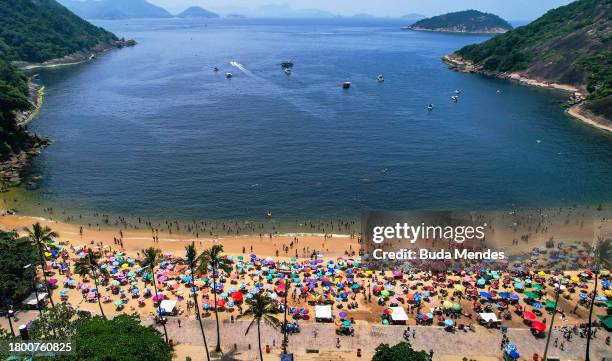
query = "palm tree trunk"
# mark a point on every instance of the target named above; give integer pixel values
(98, 296)
(218, 347)
(43, 264)
(588, 343)
(259, 340)
(199, 316)
(159, 308)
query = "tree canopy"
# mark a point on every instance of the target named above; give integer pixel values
(39, 30)
(401, 352)
(15, 253)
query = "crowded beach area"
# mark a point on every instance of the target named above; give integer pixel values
(339, 301)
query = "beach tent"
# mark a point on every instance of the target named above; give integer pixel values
(168, 307)
(30, 302)
(323, 313)
(398, 315)
(486, 317)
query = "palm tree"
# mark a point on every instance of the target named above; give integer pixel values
(152, 257)
(213, 259)
(90, 266)
(192, 262)
(602, 259)
(40, 236)
(261, 308)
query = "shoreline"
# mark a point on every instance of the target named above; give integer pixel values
(76, 58)
(11, 169)
(576, 99)
(450, 31)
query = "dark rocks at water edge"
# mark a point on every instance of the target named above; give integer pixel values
(12, 168)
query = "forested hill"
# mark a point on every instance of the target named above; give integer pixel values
(468, 21)
(39, 30)
(569, 45)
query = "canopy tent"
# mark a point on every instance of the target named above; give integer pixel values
(30, 302)
(398, 315)
(168, 307)
(323, 313)
(488, 317)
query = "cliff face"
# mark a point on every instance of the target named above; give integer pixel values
(468, 21)
(569, 45)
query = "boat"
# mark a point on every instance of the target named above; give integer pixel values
(229, 75)
(455, 98)
(457, 91)
(287, 71)
(215, 69)
(346, 84)
(285, 64)
(380, 78)
(430, 107)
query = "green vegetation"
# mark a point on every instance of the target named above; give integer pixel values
(472, 21)
(571, 44)
(121, 339)
(15, 281)
(96, 338)
(13, 98)
(39, 30)
(401, 352)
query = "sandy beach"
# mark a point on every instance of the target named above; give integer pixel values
(362, 306)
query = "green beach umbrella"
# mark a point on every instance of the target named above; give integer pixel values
(538, 287)
(550, 304)
(530, 294)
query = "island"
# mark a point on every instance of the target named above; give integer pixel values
(567, 48)
(468, 21)
(197, 12)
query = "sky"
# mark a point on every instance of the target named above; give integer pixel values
(508, 9)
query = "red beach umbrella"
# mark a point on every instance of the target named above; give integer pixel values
(529, 316)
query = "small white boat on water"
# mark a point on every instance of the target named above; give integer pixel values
(346, 84)
(430, 107)
(380, 78)
(455, 98)
(229, 75)
(287, 71)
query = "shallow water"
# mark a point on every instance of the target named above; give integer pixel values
(153, 131)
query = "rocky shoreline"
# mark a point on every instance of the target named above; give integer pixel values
(575, 101)
(459, 30)
(78, 57)
(11, 169)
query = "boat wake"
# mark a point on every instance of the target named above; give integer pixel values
(241, 68)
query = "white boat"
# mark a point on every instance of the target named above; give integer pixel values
(287, 71)
(346, 84)
(380, 78)
(430, 107)
(229, 75)
(455, 98)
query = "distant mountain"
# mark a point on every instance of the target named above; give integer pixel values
(363, 16)
(413, 16)
(568, 45)
(468, 21)
(197, 12)
(285, 11)
(115, 9)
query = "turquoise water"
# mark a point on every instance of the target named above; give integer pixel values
(153, 131)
